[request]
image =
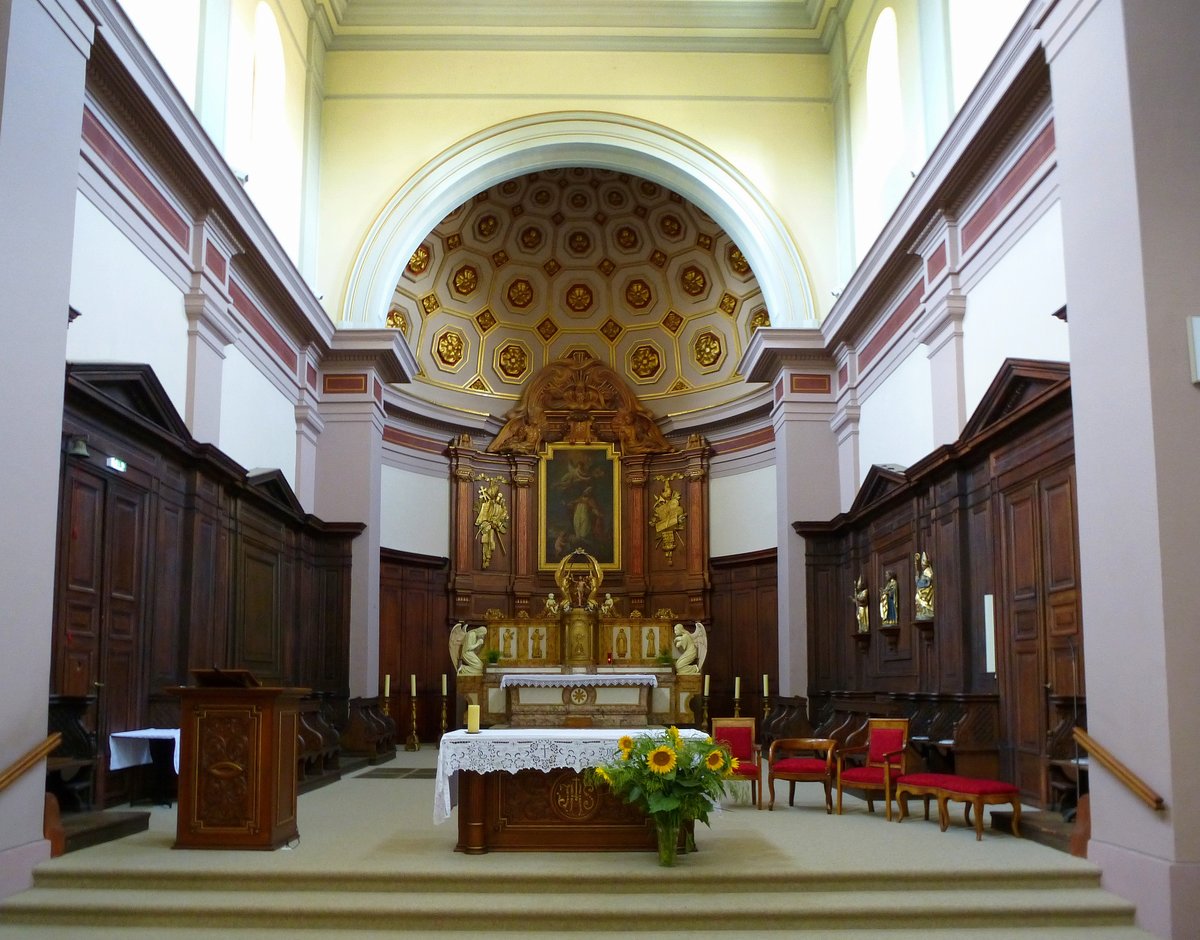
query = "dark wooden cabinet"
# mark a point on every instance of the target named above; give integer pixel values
(996, 513)
(171, 557)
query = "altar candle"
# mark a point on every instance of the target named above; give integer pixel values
(706, 678)
(387, 686)
(443, 685)
(472, 718)
(737, 686)
(412, 685)
(766, 686)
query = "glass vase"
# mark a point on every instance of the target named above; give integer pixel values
(667, 827)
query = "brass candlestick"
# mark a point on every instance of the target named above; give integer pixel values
(385, 703)
(737, 707)
(703, 711)
(413, 743)
(440, 736)
(766, 709)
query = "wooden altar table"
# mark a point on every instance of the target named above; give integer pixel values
(522, 789)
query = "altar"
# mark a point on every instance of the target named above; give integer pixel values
(608, 699)
(525, 790)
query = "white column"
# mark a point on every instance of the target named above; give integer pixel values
(1127, 120)
(211, 326)
(806, 471)
(44, 48)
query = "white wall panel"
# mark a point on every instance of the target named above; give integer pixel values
(415, 510)
(258, 424)
(896, 423)
(130, 311)
(741, 510)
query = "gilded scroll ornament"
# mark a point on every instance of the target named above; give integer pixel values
(491, 516)
(923, 597)
(667, 518)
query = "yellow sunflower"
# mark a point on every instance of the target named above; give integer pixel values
(715, 760)
(626, 746)
(673, 734)
(661, 760)
(733, 764)
(603, 775)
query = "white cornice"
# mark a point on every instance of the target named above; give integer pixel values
(772, 348)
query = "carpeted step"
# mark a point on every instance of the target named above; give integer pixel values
(565, 912)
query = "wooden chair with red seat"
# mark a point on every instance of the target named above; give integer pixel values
(738, 734)
(801, 760)
(886, 760)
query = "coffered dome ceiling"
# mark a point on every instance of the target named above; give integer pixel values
(543, 265)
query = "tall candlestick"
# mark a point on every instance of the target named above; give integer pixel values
(443, 683)
(412, 685)
(737, 686)
(706, 678)
(387, 686)
(472, 719)
(766, 685)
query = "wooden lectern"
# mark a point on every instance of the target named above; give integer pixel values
(237, 762)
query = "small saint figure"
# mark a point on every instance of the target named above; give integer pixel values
(622, 644)
(608, 608)
(491, 518)
(535, 651)
(862, 610)
(551, 604)
(888, 612)
(923, 597)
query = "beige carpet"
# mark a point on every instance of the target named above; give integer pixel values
(372, 836)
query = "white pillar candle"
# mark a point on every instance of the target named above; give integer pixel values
(387, 686)
(706, 678)
(472, 718)
(412, 685)
(737, 686)
(766, 685)
(443, 685)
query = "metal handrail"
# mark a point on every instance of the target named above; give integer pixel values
(1135, 783)
(35, 755)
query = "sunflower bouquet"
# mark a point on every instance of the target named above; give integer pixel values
(672, 778)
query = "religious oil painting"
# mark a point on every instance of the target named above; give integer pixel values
(579, 496)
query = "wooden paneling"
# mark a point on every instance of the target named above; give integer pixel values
(996, 513)
(743, 635)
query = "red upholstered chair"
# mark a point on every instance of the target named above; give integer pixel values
(886, 760)
(800, 760)
(738, 733)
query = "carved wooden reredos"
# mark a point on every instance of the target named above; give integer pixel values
(580, 446)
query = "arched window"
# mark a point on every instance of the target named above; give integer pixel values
(881, 154)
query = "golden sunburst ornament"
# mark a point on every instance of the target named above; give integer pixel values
(661, 760)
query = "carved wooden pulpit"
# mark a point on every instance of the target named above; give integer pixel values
(237, 763)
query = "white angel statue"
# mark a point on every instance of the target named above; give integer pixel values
(465, 644)
(693, 649)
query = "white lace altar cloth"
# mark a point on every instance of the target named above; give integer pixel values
(561, 681)
(514, 749)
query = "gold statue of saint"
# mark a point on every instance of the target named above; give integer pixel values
(889, 614)
(667, 517)
(491, 517)
(923, 597)
(861, 600)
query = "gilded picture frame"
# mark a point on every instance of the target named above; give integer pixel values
(579, 504)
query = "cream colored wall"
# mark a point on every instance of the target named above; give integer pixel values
(388, 114)
(415, 512)
(742, 512)
(1009, 308)
(896, 421)
(130, 311)
(258, 424)
(172, 31)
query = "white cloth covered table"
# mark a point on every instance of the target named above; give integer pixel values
(131, 748)
(515, 749)
(560, 680)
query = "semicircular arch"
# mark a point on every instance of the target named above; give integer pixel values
(593, 139)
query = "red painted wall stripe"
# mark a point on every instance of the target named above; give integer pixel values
(1022, 171)
(936, 262)
(892, 325)
(414, 441)
(131, 175)
(804, 383)
(215, 261)
(311, 376)
(745, 441)
(262, 326)
(351, 383)
(843, 377)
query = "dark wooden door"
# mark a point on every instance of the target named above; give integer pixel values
(1039, 618)
(98, 631)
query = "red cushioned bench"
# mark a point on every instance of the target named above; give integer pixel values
(973, 791)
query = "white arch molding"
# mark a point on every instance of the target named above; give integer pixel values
(594, 139)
